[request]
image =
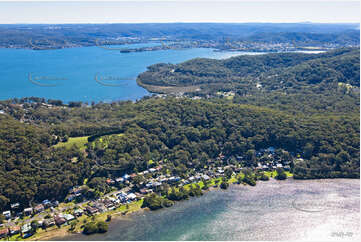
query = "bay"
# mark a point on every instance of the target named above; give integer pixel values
(86, 73)
(307, 210)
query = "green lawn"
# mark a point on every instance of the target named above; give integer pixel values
(78, 141)
(274, 173)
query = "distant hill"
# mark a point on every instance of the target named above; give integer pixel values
(68, 35)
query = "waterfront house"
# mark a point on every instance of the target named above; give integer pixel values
(68, 217)
(26, 228)
(91, 210)
(4, 232)
(7, 214)
(59, 220)
(205, 177)
(49, 222)
(28, 211)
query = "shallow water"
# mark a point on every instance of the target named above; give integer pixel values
(274, 210)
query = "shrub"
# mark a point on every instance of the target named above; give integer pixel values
(224, 185)
(281, 175)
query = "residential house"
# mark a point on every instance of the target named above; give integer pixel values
(126, 177)
(14, 205)
(78, 212)
(149, 185)
(174, 179)
(68, 217)
(26, 228)
(7, 214)
(110, 181)
(14, 230)
(59, 220)
(4, 233)
(39, 208)
(46, 203)
(49, 222)
(119, 180)
(76, 190)
(131, 196)
(152, 170)
(91, 210)
(205, 177)
(143, 191)
(28, 211)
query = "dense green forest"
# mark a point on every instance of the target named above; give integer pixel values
(186, 132)
(316, 119)
(278, 71)
(292, 82)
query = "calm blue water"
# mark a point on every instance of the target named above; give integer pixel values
(84, 74)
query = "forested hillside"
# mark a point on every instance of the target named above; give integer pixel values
(311, 82)
(188, 133)
(274, 71)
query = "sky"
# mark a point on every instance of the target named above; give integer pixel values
(136, 11)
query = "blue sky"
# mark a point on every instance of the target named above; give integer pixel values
(180, 11)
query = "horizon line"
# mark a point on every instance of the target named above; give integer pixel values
(301, 22)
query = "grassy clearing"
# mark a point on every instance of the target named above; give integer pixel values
(272, 174)
(77, 141)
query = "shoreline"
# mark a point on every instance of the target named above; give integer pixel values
(118, 219)
(55, 232)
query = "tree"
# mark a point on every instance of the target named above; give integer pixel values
(90, 228)
(2, 218)
(3, 201)
(34, 226)
(281, 174)
(224, 185)
(102, 227)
